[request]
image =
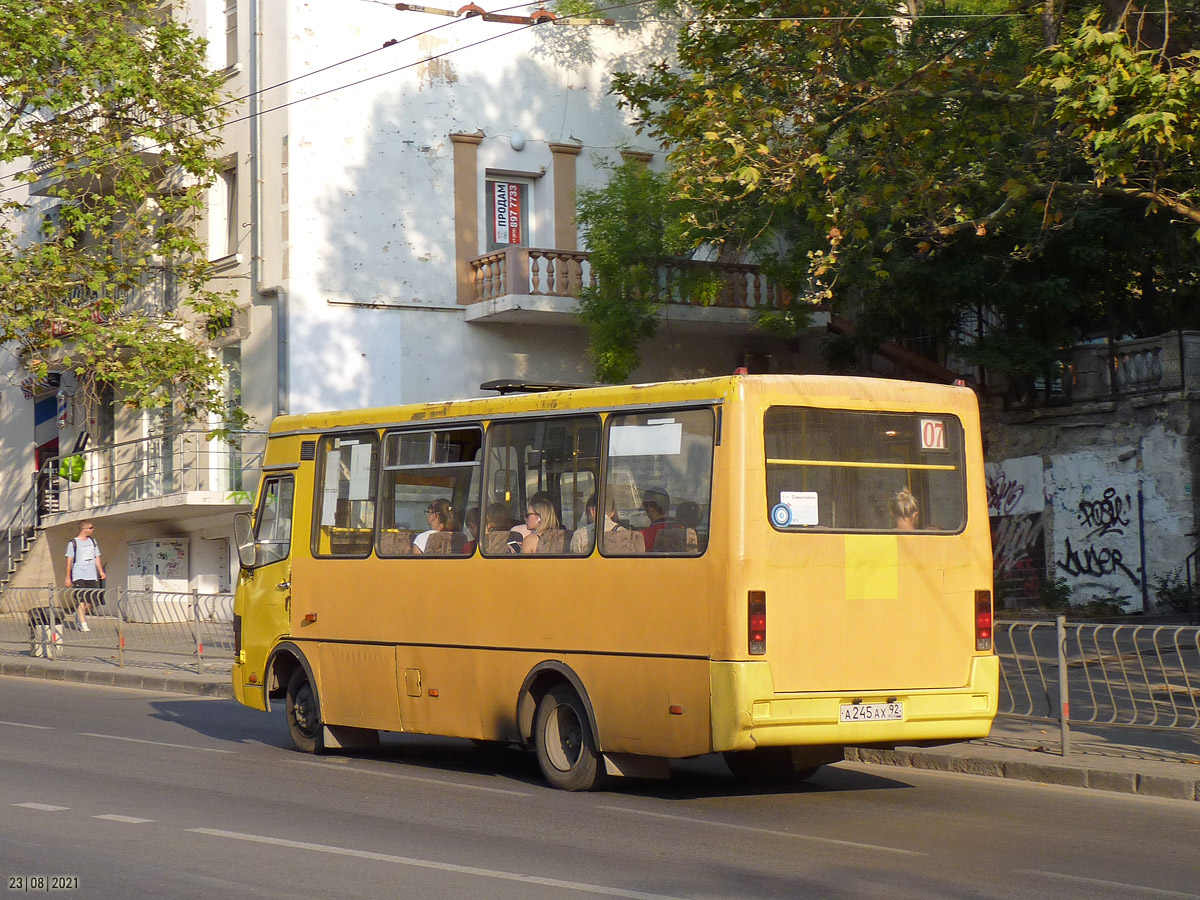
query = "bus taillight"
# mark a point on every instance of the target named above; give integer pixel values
(758, 623)
(983, 620)
(237, 637)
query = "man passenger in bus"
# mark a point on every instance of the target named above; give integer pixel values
(581, 540)
(905, 510)
(439, 516)
(542, 522)
(657, 504)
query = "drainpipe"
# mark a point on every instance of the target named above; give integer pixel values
(276, 292)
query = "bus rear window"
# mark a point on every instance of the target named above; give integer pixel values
(841, 470)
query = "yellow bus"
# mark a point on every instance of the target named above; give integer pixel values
(768, 566)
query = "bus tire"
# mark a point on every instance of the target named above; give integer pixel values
(304, 714)
(766, 764)
(566, 749)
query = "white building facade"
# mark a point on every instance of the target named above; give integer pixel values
(396, 218)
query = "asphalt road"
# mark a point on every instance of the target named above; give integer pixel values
(137, 794)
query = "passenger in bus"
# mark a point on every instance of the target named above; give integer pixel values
(439, 516)
(545, 534)
(657, 504)
(472, 523)
(905, 510)
(581, 540)
(498, 536)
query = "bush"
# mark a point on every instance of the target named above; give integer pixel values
(1171, 593)
(1055, 593)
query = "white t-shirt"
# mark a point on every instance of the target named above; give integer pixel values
(84, 553)
(422, 539)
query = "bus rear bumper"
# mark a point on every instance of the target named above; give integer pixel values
(747, 713)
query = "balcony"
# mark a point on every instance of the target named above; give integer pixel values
(1165, 363)
(156, 296)
(173, 476)
(534, 286)
(78, 129)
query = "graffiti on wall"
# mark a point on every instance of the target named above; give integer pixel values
(1099, 553)
(1016, 505)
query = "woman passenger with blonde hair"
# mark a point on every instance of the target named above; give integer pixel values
(540, 519)
(905, 509)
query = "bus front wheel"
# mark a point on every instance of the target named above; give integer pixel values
(304, 714)
(566, 749)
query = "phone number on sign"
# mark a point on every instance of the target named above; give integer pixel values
(40, 884)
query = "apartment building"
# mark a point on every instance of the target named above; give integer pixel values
(395, 214)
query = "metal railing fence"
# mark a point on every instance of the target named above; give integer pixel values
(1144, 676)
(167, 464)
(46, 620)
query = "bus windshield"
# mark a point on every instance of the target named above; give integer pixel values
(844, 470)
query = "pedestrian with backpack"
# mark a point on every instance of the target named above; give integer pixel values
(85, 569)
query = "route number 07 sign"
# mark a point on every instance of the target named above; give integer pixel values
(933, 434)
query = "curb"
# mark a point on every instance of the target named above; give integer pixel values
(119, 678)
(1083, 776)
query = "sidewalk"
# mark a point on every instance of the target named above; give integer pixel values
(1152, 763)
(173, 673)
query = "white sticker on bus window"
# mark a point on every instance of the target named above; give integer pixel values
(801, 507)
(360, 472)
(645, 440)
(933, 434)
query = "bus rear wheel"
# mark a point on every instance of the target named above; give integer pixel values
(566, 749)
(766, 764)
(304, 714)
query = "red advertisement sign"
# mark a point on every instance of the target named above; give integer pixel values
(506, 212)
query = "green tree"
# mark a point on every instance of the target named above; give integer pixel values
(930, 169)
(633, 224)
(108, 118)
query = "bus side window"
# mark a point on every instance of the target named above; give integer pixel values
(422, 470)
(273, 524)
(659, 478)
(345, 495)
(554, 461)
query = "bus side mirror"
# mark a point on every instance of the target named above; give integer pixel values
(243, 537)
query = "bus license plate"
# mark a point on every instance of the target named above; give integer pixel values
(872, 712)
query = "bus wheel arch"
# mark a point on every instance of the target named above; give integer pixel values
(537, 684)
(302, 704)
(283, 661)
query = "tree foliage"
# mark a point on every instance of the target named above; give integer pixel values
(1028, 166)
(107, 126)
(633, 224)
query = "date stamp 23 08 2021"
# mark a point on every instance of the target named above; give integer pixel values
(41, 884)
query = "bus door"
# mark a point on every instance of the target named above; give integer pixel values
(265, 589)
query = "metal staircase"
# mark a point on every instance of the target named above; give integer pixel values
(18, 537)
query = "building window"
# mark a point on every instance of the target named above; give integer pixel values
(222, 215)
(508, 214)
(222, 34)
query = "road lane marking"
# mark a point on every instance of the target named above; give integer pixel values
(117, 737)
(1161, 892)
(41, 807)
(127, 820)
(755, 830)
(342, 767)
(24, 725)
(439, 866)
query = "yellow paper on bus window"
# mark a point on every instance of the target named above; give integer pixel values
(872, 569)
